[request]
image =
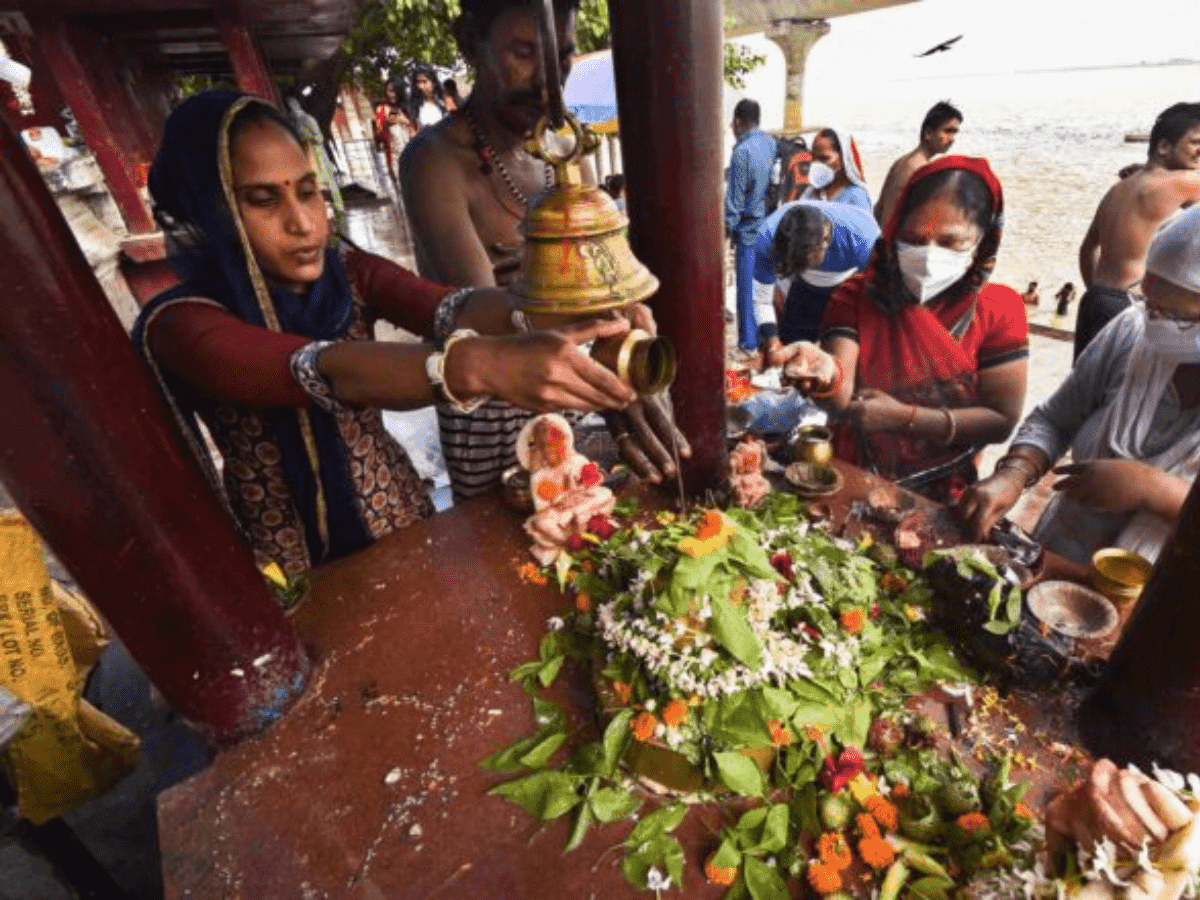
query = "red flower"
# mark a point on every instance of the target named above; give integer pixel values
(835, 775)
(811, 631)
(575, 542)
(875, 611)
(602, 527)
(589, 475)
(782, 562)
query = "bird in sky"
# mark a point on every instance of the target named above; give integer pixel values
(944, 45)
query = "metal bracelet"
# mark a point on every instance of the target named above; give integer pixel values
(447, 314)
(303, 364)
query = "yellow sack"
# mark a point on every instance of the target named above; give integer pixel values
(68, 752)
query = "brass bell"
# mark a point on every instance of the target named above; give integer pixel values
(577, 260)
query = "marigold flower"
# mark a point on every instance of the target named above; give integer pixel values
(852, 620)
(719, 874)
(973, 823)
(866, 825)
(530, 573)
(883, 812)
(892, 583)
(624, 692)
(914, 613)
(780, 736)
(674, 713)
(548, 491)
(583, 603)
(834, 851)
(876, 852)
(900, 789)
(711, 534)
(824, 880)
(1023, 810)
(643, 726)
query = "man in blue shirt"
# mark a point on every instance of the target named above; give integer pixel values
(809, 247)
(745, 206)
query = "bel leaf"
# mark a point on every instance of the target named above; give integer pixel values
(616, 737)
(730, 628)
(549, 671)
(540, 754)
(546, 795)
(740, 774)
(656, 824)
(763, 881)
(610, 804)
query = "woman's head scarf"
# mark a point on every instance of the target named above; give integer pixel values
(848, 150)
(191, 183)
(884, 282)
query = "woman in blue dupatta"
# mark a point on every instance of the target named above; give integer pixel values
(267, 341)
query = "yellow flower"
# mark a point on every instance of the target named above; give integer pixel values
(711, 534)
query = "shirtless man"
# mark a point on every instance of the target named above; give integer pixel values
(466, 183)
(1112, 257)
(938, 132)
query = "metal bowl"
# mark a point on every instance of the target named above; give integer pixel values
(1119, 574)
(515, 482)
(1072, 609)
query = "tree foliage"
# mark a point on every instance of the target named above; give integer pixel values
(394, 35)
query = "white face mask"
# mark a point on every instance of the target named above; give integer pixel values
(1173, 340)
(820, 279)
(819, 174)
(929, 269)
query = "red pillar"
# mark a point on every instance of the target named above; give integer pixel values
(245, 55)
(1147, 706)
(672, 156)
(78, 87)
(90, 455)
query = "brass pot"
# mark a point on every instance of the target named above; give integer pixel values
(647, 364)
(812, 444)
(1119, 574)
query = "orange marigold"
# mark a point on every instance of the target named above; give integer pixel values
(973, 823)
(824, 879)
(531, 574)
(852, 620)
(710, 526)
(719, 874)
(583, 603)
(548, 491)
(884, 813)
(1023, 810)
(624, 692)
(866, 825)
(674, 713)
(900, 789)
(892, 583)
(643, 726)
(780, 736)
(876, 852)
(834, 851)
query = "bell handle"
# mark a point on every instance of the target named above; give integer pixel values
(585, 142)
(549, 66)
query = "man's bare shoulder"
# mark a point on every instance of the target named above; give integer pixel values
(907, 164)
(439, 151)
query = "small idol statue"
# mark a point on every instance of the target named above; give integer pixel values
(745, 473)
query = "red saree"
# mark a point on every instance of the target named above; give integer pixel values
(927, 355)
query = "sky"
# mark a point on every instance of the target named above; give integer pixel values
(1010, 35)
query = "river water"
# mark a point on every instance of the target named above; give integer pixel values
(1056, 140)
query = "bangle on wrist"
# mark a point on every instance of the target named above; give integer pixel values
(435, 370)
(912, 419)
(447, 315)
(833, 385)
(1026, 466)
(951, 426)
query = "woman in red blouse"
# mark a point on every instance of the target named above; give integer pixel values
(931, 359)
(267, 341)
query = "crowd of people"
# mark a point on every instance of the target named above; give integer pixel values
(266, 340)
(930, 360)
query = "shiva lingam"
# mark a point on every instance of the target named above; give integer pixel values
(578, 263)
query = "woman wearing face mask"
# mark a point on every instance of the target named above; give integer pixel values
(931, 360)
(835, 173)
(267, 341)
(1130, 413)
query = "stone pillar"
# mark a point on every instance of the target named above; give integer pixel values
(796, 37)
